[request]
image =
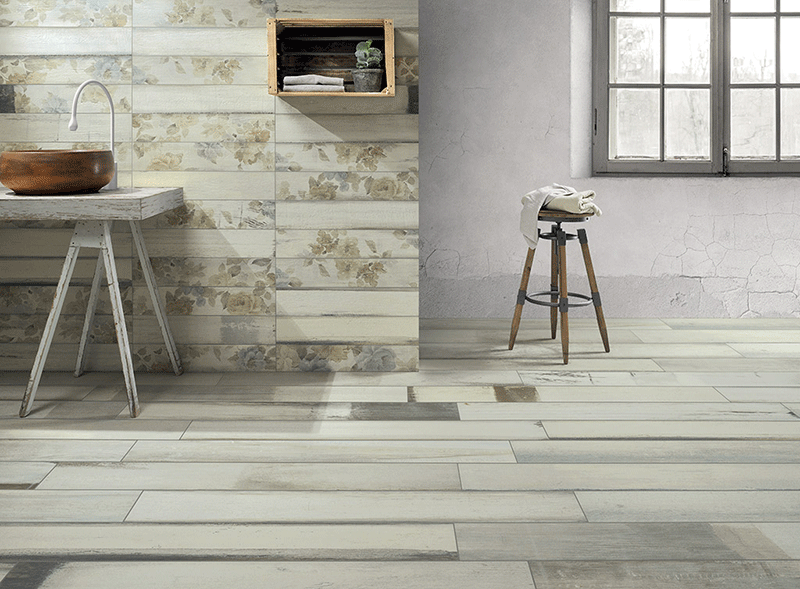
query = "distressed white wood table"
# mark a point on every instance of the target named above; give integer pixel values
(94, 215)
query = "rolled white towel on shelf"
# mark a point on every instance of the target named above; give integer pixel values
(554, 197)
(307, 79)
(313, 88)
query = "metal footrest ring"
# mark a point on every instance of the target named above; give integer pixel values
(586, 300)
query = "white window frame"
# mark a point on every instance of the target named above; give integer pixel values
(720, 163)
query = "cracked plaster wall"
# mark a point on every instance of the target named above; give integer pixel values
(495, 124)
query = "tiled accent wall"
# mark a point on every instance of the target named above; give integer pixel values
(298, 245)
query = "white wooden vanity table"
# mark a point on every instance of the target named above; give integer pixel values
(94, 215)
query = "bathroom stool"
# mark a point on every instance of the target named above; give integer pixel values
(559, 302)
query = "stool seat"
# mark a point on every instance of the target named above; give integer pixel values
(559, 302)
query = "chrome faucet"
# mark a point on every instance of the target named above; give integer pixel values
(73, 122)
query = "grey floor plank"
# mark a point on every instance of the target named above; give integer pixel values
(627, 411)
(761, 394)
(359, 451)
(726, 364)
(584, 350)
(614, 542)
(690, 506)
(299, 411)
(273, 542)
(667, 575)
(360, 430)
(65, 506)
(694, 430)
(23, 474)
(656, 451)
(352, 507)
(291, 575)
(252, 477)
(92, 429)
(64, 450)
(46, 393)
(615, 477)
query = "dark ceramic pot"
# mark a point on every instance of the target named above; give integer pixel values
(367, 80)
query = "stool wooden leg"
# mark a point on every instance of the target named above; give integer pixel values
(553, 285)
(598, 308)
(523, 288)
(563, 299)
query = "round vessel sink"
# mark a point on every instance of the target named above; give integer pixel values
(56, 171)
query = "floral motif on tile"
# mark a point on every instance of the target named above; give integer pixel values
(200, 13)
(58, 99)
(368, 244)
(82, 13)
(211, 358)
(209, 128)
(346, 358)
(407, 70)
(207, 300)
(176, 69)
(240, 272)
(61, 70)
(218, 214)
(351, 273)
(210, 155)
(28, 329)
(353, 157)
(353, 186)
(26, 300)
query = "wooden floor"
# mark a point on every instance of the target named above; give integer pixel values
(672, 462)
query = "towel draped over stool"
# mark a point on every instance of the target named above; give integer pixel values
(554, 197)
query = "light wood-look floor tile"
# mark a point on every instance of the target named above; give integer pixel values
(65, 506)
(761, 394)
(64, 450)
(353, 507)
(694, 430)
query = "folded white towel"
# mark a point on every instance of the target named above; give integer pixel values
(554, 197)
(313, 88)
(312, 79)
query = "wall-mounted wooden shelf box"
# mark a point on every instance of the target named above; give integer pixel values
(326, 47)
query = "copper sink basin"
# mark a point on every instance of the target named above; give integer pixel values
(56, 171)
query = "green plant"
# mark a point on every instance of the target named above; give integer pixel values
(368, 56)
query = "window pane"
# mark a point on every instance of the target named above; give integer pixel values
(635, 50)
(790, 50)
(633, 123)
(753, 123)
(790, 123)
(790, 6)
(688, 123)
(752, 5)
(635, 5)
(688, 46)
(688, 6)
(752, 50)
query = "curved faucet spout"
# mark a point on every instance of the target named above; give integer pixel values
(73, 122)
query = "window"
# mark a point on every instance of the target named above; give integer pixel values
(697, 87)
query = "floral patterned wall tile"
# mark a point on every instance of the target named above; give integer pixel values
(314, 303)
(347, 157)
(188, 330)
(202, 13)
(52, 242)
(348, 186)
(48, 98)
(203, 156)
(198, 42)
(27, 300)
(347, 128)
(29, 329)
(33, 69)
(346, 273)
(347, 214)
(207, 358)
(395, 330)
(199, 127)
(76, 13)
(347, 358)
(258, 186)
(212, 243)
(222, 272)
(54, 41)
(208, 98)
(343, 243)
(407, 70)
(47, 270)
(217, 214)
(185, 70)
(210, 300)
(55, 127)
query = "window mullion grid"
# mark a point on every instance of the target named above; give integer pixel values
(662, 149)
(778, 81)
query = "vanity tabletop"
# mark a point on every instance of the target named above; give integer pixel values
(120, 204)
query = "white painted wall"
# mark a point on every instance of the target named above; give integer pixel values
(496, 122)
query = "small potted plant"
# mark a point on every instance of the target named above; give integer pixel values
(368, 75)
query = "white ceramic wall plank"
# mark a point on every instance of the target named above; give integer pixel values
(364, 127)
(66, 41)
(199, 41)
(200, 99)
(347, 215)
(210, 242)
(301, 303)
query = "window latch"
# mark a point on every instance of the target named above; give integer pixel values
(726, 156)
